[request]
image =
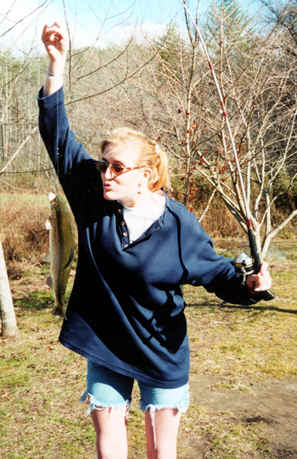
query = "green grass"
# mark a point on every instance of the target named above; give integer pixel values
(235, 349)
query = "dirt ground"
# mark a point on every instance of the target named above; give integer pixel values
(273, 404)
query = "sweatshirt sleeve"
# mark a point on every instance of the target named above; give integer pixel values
(75, 168)
(204, 267)
(63, 148)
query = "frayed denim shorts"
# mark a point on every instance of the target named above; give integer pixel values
(108, 389)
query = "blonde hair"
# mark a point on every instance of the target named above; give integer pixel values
(151, 154)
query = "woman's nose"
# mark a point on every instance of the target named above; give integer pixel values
(108, 173)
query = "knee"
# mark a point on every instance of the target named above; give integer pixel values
(108, 448)
(110, 428)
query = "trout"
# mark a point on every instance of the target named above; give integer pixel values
(61, 248)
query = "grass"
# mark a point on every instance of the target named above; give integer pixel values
(235, 351)
(41, 382)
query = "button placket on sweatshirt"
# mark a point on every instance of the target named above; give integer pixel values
(124, 232)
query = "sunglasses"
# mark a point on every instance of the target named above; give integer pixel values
(116, 168)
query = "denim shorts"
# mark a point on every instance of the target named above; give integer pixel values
(106, 388)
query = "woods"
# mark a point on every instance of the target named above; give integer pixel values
(165, 88)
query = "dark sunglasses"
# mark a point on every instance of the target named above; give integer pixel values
(116, 168)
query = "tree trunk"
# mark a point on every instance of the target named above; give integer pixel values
(8, 319)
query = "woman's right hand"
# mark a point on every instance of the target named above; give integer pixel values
(55, 40)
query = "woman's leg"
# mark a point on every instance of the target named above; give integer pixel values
(111, 432)
(163, 408)
(109, 394)
(161, 432)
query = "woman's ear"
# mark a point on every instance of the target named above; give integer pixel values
(143, 181)
(147, 173)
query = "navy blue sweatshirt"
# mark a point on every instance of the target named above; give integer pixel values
(126, 309)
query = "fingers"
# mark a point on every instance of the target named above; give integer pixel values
(54, 37)
(48, 31)
(52, 34)
(261, 281)
(56, 26)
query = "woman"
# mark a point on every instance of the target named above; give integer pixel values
(136, 247)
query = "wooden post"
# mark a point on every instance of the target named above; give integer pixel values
(8, 318)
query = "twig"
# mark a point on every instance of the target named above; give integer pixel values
(18, 149)
(100, 93)
(24, 18)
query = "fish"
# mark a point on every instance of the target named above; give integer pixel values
(61, 248)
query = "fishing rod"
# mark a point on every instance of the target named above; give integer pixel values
(242, 263)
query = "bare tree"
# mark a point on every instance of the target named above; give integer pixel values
(255, 87)
(255, 81)
(171, 104)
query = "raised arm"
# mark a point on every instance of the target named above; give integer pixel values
(63, 148)
(75, 168)
(56, 43)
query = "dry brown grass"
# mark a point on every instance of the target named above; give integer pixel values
(22, 220)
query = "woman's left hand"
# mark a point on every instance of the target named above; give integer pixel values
(261, 281)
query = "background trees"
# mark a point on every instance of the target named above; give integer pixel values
(256, 78)
(164, 87)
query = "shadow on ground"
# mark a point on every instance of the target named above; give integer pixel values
(210, 304)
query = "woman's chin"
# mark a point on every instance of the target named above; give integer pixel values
(110, 195)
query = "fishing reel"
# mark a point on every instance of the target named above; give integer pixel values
(245, 265)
